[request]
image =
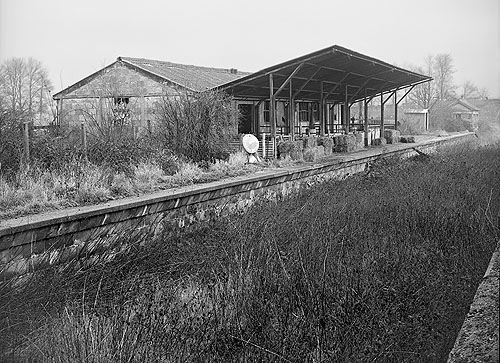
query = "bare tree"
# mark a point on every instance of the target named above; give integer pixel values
(469, 90)
(424, 95)
(24, 87)
(443, 76)
(483, 93)
(440, 68)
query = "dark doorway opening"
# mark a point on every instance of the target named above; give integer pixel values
(245, 119)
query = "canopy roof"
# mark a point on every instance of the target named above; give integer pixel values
(338, 71)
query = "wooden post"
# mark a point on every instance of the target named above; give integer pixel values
(272, 113)
(291, 112)
(41, 103)
(322, 110)
(256, 119)
(367, 131)
(263, 145)
(84, 140)
(395, 111)
(346, 110)
(99, 111)
(26, 135)
(381, 115)
(60, 111)
(360, 110)
(143, 115)
(143, 110)
(349, 116)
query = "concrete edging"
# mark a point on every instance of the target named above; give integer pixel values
(478, 338)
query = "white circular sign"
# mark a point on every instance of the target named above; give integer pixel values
(250, 143)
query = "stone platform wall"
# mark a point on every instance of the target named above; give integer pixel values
(33, 242)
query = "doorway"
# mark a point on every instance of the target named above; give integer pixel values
(245, 119)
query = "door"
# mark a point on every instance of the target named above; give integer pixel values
(245, 119)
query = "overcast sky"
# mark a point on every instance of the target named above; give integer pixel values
(76, 38)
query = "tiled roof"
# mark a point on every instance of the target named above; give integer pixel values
(195, 78)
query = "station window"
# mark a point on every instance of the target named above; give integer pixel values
(266, 112)
(121, 101)
(304, 112)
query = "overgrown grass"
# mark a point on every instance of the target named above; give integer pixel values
(80, 183)
(380, 267)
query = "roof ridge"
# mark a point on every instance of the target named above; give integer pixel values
(181, 65)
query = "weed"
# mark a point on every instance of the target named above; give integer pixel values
(366, 269)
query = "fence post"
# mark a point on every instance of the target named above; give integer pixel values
(84, 140)
(26, 135)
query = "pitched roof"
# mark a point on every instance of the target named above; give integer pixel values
(490, 109)
(468, 105)
(443, 104)
(195, 78)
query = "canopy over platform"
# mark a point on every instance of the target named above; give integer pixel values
(334, 74)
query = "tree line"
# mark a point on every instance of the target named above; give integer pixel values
(443, 87)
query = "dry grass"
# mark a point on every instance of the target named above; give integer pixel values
(377, 268)
(35, 190)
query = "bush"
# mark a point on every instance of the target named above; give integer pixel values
(56, 148)
(11, 142)
(197, 126)
(290, 150)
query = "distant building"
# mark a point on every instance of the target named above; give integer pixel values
(454, 115)
(416, 121)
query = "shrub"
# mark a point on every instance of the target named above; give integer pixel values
(56, 148)
(197, 126)
(187, 174)
(290, 149)
(235, 163)
(11, 142)
(121, 185)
